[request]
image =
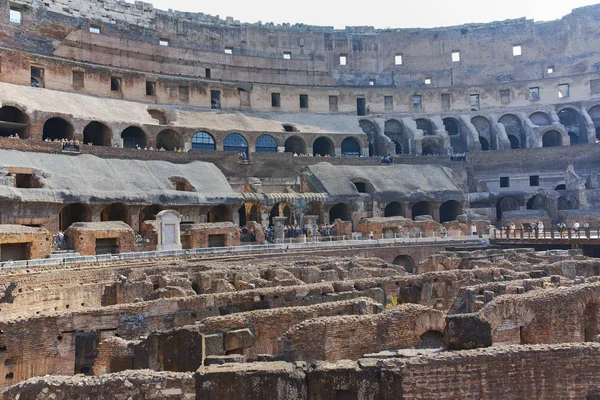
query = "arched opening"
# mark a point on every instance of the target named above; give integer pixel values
(538, 202)
(149, 213)
(405, 261)
(97, 134)
(594, 113)
(514, 142)
(450, 210)
(590, 322)
(552, 139)
(457, 141)
(116, 212)
(242, 216)
(567, 203)
(134, 137)
(362, 187)
(422, 208)
(236, 142)
(203, 141)
(220, 213)
(393, 209)
(484, 129)
(13, 120)
(323, 146)
(295, 144)
(506, 204)
(540, 118)
(76, 212)
(514, 127)
(168, 140)
(395, 131)
(371, 130)
(485, 145)
(254, 214)
(266, 144)
(350, 147)
(574, 125)
(57, 128)
(425, 126)
(341, 211)
(281, 210)
(432, 340)
(432, 146)
(562, 186)
(249, 213)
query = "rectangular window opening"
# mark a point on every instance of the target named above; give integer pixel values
(388, 102)
(456, 56)
(372, 82)
(343, 59)
(184, 94)
(16, 16)
(275, 100)
(416, 101)
(534, 93)
(207, 73)
(150, 88)
(445, 101)
(398, 59)
(303, 101)
(95, 29)
(287, 55)
(333, 103)
(517, 51)
(115, 84)
(534, 180)
(215, 99)
(474, 98)
(505, 96)
(78, 79)
(504, 181)
(428, 81)
(550, 70)
(563, 91)
(228, 50)
(163, 42)
(37, 77)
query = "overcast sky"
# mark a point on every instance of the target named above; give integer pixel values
(377, 13)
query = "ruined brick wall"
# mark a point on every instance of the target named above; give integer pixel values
(83, 236)
(350, 337)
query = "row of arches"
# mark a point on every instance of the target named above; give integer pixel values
(537, 202)
(448, 211)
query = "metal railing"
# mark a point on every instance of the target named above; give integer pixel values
(286, 244)
(554, 234)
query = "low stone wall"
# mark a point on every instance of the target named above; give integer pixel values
(83, 237)
(350, 337)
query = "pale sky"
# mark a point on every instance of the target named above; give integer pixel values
(377, 13)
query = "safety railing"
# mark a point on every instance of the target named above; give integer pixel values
(551, 234)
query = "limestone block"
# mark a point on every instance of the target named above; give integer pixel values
(213, 345)
(239, 339)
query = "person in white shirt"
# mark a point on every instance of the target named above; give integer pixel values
(576, 228)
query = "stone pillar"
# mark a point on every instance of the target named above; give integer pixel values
(278, 223)
(169, 234)
(310, 224)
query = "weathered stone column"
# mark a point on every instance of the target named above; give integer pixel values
(278, 223)
(310, 224)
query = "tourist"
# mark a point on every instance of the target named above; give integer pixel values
(576, 228)
(371, 235)
(443, 232)
(586, 228)
(540, 228)
(473, 230)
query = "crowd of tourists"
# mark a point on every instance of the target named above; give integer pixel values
(537, 228)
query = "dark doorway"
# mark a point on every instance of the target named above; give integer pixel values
(107, 246)
(219, 213)
(77, 212)
(134, 137)
(571, 120)
(422, 208)
(514, 142)
(450, 210)
(97, 134)
(57, 128)
(86, 351)
(552, 139)
(323, 146)
(13, 120)
(216, 240)
(393, 209)
(242, 215)
(341, 211)
(149, 213)
(506, 204)
(424, 125)
(406, 262)
(295, 144)
(485, 145)
(361, 108)
(168, 140)
(116, 212)
(350, 147)
(15, 251)
(281, 210)
(432, 340)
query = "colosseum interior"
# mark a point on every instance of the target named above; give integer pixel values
(197, 208)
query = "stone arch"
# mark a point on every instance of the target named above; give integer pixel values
(295, 144)
(457, 140)
(539, 202)
(395, 131)
(13, 120)
(57, 128)
(371, 130)
(266, 144)
(485, 145)
(350, 147)
(594, 113)
(405, 261)
(203, 141)
(393, 209)
(567, 202)
(235, 142)
(514, 127)
(432, 145)
(450, 210)
(75, 212)
(97, 134)
(571, 119)
(281, 210)
(506, 203)
(116, 212)
(220, 213)
(133, 137)
(540, 118)
(168, 140)
(514, 142)
(362, 185)
(422, 208)
(148, 213)
(562, 186)
(323, 146)
(552, 138)
(424, 125)
(432, 340)
(484, 130)
(341, 211)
